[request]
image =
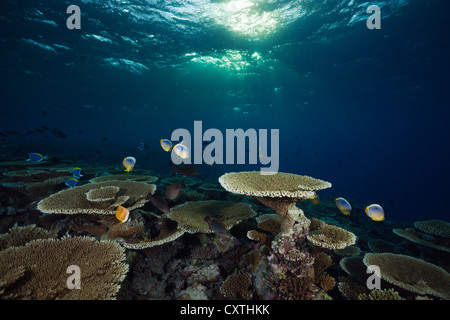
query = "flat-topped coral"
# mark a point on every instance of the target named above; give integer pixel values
(124, 177)
(131, 195)
(280, 192)
(19, 236)
(413, 236)
(434, 227)
(355, 268)
(331, 237)
(411, 274)
(35, 183)
(379, 294)
(380, 245)
(102, 194)
(348, 251)
(41, 265)
(298, 288)
(190, 215)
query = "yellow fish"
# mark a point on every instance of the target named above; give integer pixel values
(166, 144)
(181, 150)
(375, 212)
(315, 199)
(122, 214)
(343, 206)
(129, 163)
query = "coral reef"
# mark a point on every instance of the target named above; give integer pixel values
(279, 191)
(263, 241)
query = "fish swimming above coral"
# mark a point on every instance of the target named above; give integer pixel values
(158, 202)
(174, 190)
(166, 144)
(72, 182)
(122, 214)
(129, 163)
(315, 199)
(218, 227)
(375, 212)
(36, 157)
(343, 206)
(76, 172)
(181, 150)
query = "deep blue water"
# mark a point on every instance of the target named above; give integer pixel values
(364, 109)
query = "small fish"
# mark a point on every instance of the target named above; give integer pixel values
(36, 157)
(343, 206)
(122, 214)
(158, 202)
(76, 172)
(141, 146)
(129, 163)
(72, 182)
(166, 144)
(315, 199)
(218, 227)
(181, 150)
(174, 190)
(375, 212)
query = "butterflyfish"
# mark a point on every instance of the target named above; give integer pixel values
(343, 206)
(129, 163)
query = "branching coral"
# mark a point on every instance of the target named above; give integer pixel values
(321, 263)
(237, 287)
(351, 289)
(325, 282)
(298, 288)
(259, 237)
(410, 273)
(41, 266)
(378, 294)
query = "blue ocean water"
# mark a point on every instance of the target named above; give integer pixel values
(366, 110)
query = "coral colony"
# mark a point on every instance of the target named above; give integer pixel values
(246, 236)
